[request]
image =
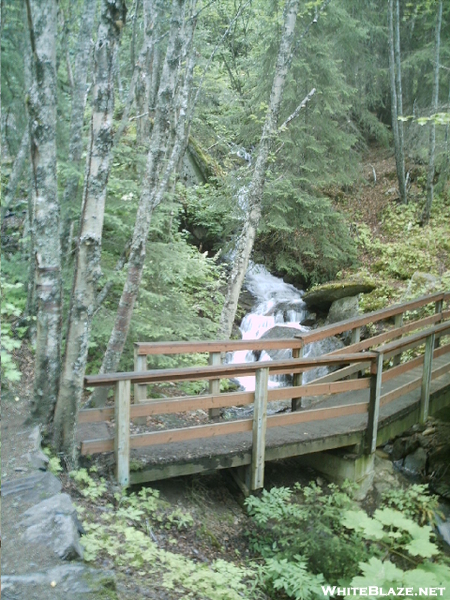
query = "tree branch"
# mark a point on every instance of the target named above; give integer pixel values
(296, 112)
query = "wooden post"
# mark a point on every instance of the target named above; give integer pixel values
(438, 307)
(122, 437)
(426, 378)
(215, 359)
(398, 322)
(296, 402)
(374, 402)
(356, 337)
(259, 429)
(140, 391)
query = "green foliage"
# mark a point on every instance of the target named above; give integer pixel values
(89, 487)
(415, 502)
(11, 310)
(126, 537)
(291, 577)
(306, 522)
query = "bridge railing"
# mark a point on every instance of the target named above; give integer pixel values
(217, 348)
(123, 411)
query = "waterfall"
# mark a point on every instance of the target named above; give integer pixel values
(277, 306)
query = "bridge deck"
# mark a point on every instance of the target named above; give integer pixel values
(196, 456)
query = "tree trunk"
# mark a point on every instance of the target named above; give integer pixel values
(47, 252)
(82, 59)
(145, 73)
(434, 107)
(154, 186)
(87, 268)
(255, 192)
(396, 102)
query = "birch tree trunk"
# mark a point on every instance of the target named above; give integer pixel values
(255, 192)
(87, 267)
(47, 252)
(396, 97)
(81, 69)
(154, 186)
(434, 107)
(142, 71)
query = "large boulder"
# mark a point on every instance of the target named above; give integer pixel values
(54, 522)
(322, 297)
(342, 309)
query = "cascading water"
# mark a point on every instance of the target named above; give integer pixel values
(277, 305)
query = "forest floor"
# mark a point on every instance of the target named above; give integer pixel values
(203, 518)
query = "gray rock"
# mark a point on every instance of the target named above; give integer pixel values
(38, 460)
(416, 463)
(342, 309)
(323, 296)
(54, 522)
(68, 582)
(34, 488)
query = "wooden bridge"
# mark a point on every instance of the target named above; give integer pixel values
(396, 376)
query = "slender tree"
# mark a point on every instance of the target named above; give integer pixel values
(47, 251)
(252, 218)
(79, 97)
(396, 95)
(434, 107)
(87, 268)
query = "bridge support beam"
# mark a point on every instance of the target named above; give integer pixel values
(339, 467)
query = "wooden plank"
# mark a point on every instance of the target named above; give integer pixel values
(95, 415)
(426, 379)
(319, 389)
(344, 372)
(259, 429)
(401, 369)
(317, 414)
(215, 346)
(215, 359)
(441, 351)
(122, 435)
(436, 373)
(190, 433)
(401, 391)
(387, 335)
(374, 404)
(97, 446)
(414, 340)
(373, 317)
(207, 372)
(185, 404)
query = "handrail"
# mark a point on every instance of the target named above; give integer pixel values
(226, 371)
(440, 329)
(300, 340)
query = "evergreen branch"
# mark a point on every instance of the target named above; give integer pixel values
(296, 112)
(308, 27)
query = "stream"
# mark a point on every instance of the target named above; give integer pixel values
(277, 312)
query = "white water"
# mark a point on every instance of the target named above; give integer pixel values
(276, 304)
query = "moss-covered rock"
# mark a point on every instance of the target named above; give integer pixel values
(321, 297)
